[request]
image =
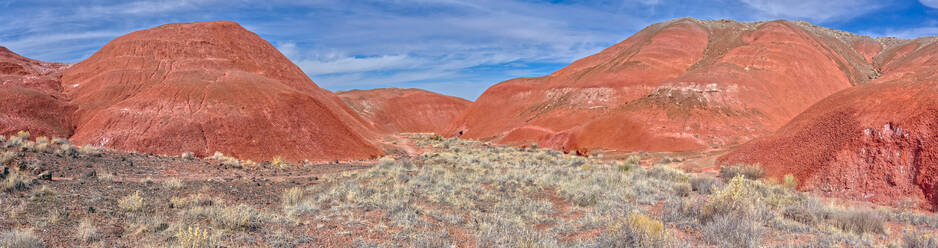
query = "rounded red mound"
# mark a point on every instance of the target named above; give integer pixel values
(31, 97)
(405, 110)
(876, 142)
(207, 87)
(675, 86)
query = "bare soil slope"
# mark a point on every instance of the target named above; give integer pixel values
(31, 96)
(876, 142)
(405, 110)
(207, 87)
(676, 86)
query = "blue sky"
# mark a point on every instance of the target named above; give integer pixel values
(454, 47)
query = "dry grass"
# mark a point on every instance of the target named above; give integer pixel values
(173, 183)
(919, 239)
(19, 239)
(194, 237)
(15, 181)
(131, 203)
(6, 157)
(86, 231)
(751, 172)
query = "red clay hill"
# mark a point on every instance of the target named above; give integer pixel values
(675, 86)
(405, 110)
(875, 142)
(31, 96)
(207, 87)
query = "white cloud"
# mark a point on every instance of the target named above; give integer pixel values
(821, 11)
(909, 33)
(930, 3)
(356, 64)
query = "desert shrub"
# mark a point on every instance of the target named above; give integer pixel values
(734, 231)
(242, 217)
(89, 150)
(919, 239)
(173, 183)
(131, 203)
(22, 135)
(44, 193)
(800, 214)
(633, 161)
(703, 184)
(790, 181)
(66, 150)
(15, 181)
(187, 155)
(60, 141)
(86, 231)
(637, 230)
(225, 160)
(738, 197)
(27, 146)
(680, 210)
(193, 200)
(857, 221)
(7, 157)
(682, 189)
(751, 172)
(624, 167)
(193, 237)
(41, 147)
(278, 161)
(433, 239)
(105, 176)
(19, 239)
(14, 141)
(667, 173)
(294, 201)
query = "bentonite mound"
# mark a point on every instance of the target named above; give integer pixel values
(207, 87)
(875, 142)
(675, 86)
(31, 97)
(405, 110)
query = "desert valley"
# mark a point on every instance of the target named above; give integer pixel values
(689, 133)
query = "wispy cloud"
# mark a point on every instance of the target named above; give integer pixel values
(822, 11)
(929, 3)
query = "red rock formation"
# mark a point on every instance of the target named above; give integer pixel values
(31, 97)
(405, 110)
(675, 86)
(207, 87)
(875, 142)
